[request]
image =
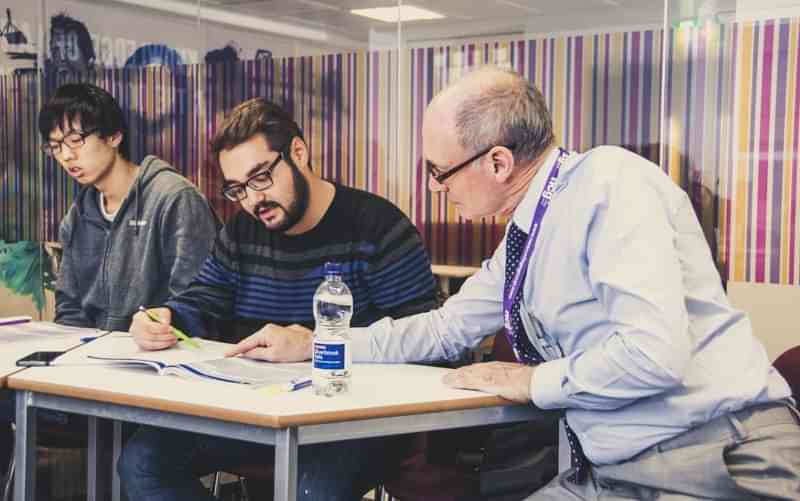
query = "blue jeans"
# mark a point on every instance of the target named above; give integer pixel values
(165, 465)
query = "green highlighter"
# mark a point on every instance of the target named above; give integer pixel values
(175, 332)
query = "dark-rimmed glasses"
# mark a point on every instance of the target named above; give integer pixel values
(433, 171)
(73, 140)
(260, 181)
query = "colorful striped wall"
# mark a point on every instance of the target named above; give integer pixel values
(733, 98)
(731, 133)
(20, 184)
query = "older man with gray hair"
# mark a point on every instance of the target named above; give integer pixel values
(608, 293)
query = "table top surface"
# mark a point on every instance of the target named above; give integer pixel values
(453, 271)
(10, 352)
(377, 390)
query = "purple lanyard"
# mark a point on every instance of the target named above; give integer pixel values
(530, 243)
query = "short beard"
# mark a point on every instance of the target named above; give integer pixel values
(298, 206)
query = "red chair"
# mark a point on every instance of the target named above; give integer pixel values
(788, 365)
(423, 478)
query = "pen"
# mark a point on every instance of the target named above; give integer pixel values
(175, 332)
(14, 320)
(293, 385)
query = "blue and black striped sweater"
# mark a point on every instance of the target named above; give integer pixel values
(255, 276)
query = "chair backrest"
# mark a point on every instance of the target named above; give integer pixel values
(788, 365)
(501, 349)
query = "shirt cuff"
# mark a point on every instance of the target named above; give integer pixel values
(361, 344)
(547, 384)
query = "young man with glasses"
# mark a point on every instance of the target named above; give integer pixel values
(135, 234)
(261, 274)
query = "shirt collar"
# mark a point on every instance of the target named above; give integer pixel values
(524, 211)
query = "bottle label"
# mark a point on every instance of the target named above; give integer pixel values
(329, 356)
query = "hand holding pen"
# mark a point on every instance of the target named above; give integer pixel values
(151, 330)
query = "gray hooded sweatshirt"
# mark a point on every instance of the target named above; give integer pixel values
(156, 244)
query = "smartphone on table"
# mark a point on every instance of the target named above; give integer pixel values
(39, 358)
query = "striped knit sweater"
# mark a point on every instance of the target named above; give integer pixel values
(255, 276)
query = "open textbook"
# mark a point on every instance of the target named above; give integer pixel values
(208, 362)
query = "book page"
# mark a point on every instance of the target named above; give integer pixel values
(243, 370)
(28, 331)
(119, 347)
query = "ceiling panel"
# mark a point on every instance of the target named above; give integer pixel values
(463, 18)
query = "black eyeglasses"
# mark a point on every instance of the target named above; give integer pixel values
(433, 171)
(74, 140)
(260, 181)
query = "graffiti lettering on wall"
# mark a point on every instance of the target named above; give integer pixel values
(74, 47)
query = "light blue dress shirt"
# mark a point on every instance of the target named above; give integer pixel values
(642, 343)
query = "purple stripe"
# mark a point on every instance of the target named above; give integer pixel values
(623, 137)
(763, 150)
(751, 160)
(339, 111)
(606, 89)
(577, 115)
(634, 111)
(781, 63)
(647, 61)
(594, 96)
(570, 84)
(795, 146)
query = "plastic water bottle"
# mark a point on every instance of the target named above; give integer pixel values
(333, 307)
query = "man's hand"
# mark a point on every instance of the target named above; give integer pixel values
(274, 343)
(506, 379)
(150, 335)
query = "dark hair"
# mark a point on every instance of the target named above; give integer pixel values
(256, 116)
(509, 111)
(66, 24)
(92, 106)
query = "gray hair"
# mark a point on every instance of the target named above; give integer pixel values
(509, 111)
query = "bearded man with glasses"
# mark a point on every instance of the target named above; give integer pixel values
(258, 284)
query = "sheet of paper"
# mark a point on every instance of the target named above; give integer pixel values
(28, 331)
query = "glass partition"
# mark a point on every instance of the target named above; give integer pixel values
(704, 88)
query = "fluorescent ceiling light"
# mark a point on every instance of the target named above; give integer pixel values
(394, 14)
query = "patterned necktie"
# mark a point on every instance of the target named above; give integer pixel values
(523, 348)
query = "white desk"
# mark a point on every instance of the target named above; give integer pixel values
(386, 400)
(10, 352)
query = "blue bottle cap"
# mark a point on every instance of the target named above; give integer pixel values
(333, 268)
